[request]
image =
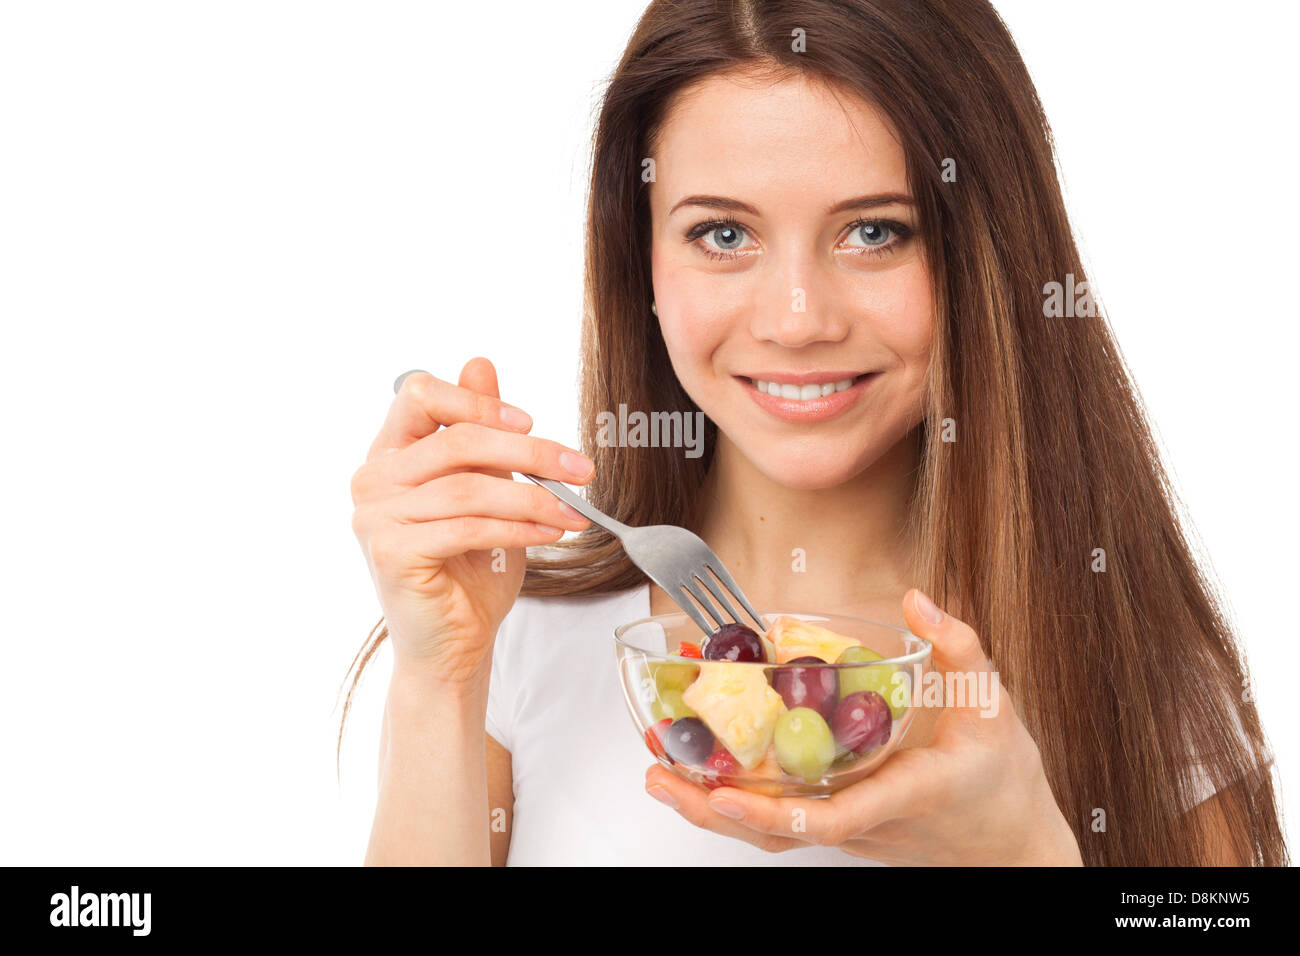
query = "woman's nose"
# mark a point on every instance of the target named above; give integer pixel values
(797, 311)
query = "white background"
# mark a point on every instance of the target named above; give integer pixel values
(225, 227)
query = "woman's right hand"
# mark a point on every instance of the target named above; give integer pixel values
(436, 498)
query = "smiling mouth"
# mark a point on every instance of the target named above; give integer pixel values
(803, 393)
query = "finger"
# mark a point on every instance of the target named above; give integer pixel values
(468, 446)
(398, 547)
(974, 687)
(956, 645)
(475, 493)
(845, 815)
(480, 375)
(397, 383)
(425, 403)
(690, 804)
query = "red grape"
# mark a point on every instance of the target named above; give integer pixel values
(862, 721)
(688, 741)
(734, 642)
(815, 687)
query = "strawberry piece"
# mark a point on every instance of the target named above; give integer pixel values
(687, 649)
(723, 766)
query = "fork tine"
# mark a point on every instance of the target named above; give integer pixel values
(714, 565)
(685, 604)
(697, 592)
(720, 594)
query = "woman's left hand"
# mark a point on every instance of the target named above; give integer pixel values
(976, 795)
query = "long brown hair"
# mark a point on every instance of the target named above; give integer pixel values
(1124, 675)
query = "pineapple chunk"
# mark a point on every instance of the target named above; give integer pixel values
(795, 638)
(771, 773)
(738, 705)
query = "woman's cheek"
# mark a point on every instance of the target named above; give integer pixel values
(692, 335)
(686, 353)
(903, 320)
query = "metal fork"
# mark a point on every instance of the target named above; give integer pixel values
(674, 558)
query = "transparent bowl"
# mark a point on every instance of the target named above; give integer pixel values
(741, 706)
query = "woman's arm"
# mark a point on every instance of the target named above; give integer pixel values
(433, 791)
(501, 799)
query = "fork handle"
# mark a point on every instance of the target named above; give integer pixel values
(588, 510)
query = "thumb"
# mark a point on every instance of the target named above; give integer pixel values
(956, 645)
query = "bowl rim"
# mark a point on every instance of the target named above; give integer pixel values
(915, 657)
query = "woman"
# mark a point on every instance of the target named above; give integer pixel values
(858, 200)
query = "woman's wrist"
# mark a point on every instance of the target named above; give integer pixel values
(433, 798)
(415, 687)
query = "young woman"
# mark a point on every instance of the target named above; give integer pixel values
(836, 230)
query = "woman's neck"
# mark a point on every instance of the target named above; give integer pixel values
(836, 549)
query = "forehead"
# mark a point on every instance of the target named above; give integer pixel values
(775, 142)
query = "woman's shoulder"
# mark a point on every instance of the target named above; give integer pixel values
(544, 635)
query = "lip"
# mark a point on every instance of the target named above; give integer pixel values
(805, 378)
(816, 409)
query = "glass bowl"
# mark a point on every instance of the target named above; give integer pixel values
(781, 727)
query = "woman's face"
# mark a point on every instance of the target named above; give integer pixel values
(784, 250)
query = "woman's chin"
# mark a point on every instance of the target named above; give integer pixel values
(803, 472)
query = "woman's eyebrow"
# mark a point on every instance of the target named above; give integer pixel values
(868, 202)
(735, 205)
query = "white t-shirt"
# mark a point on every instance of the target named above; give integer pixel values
(578, 762)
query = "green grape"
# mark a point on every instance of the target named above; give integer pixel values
(672, 676)
(804, 744)
(670, 705)
(861, 652)
(878, 679)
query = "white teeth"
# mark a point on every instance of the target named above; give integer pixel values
(802, 393)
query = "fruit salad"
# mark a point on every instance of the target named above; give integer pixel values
(724, 718)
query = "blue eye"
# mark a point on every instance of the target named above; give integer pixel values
(872, 233)
(733, 235)
(726, 236)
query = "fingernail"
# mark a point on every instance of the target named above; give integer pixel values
(580, 466)
(727, 808)
(547, 529)
(663, 796)
(515, 417)
(929, 611)
(569, 511)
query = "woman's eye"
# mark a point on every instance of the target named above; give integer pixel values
(725, 237)
(872, 234)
